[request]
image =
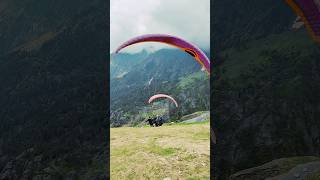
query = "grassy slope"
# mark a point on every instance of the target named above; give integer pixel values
(176, 151)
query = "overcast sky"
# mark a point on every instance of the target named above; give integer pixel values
(188, 19)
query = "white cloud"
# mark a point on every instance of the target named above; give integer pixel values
(188, 19)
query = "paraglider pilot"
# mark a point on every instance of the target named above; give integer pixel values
(156, 121)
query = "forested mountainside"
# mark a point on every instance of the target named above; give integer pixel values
(266, 78)
(54, 89)
(136, 77)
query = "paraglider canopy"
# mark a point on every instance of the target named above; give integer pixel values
(309, 11)
(189, 48)
(154, 97)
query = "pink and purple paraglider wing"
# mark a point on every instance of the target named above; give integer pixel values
(174, 41)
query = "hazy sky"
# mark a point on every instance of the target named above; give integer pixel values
(188, 19)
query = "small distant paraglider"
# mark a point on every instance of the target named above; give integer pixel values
(298, 23)
(309, 12)
(149, 82)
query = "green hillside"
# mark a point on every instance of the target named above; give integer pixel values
(168, 71)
